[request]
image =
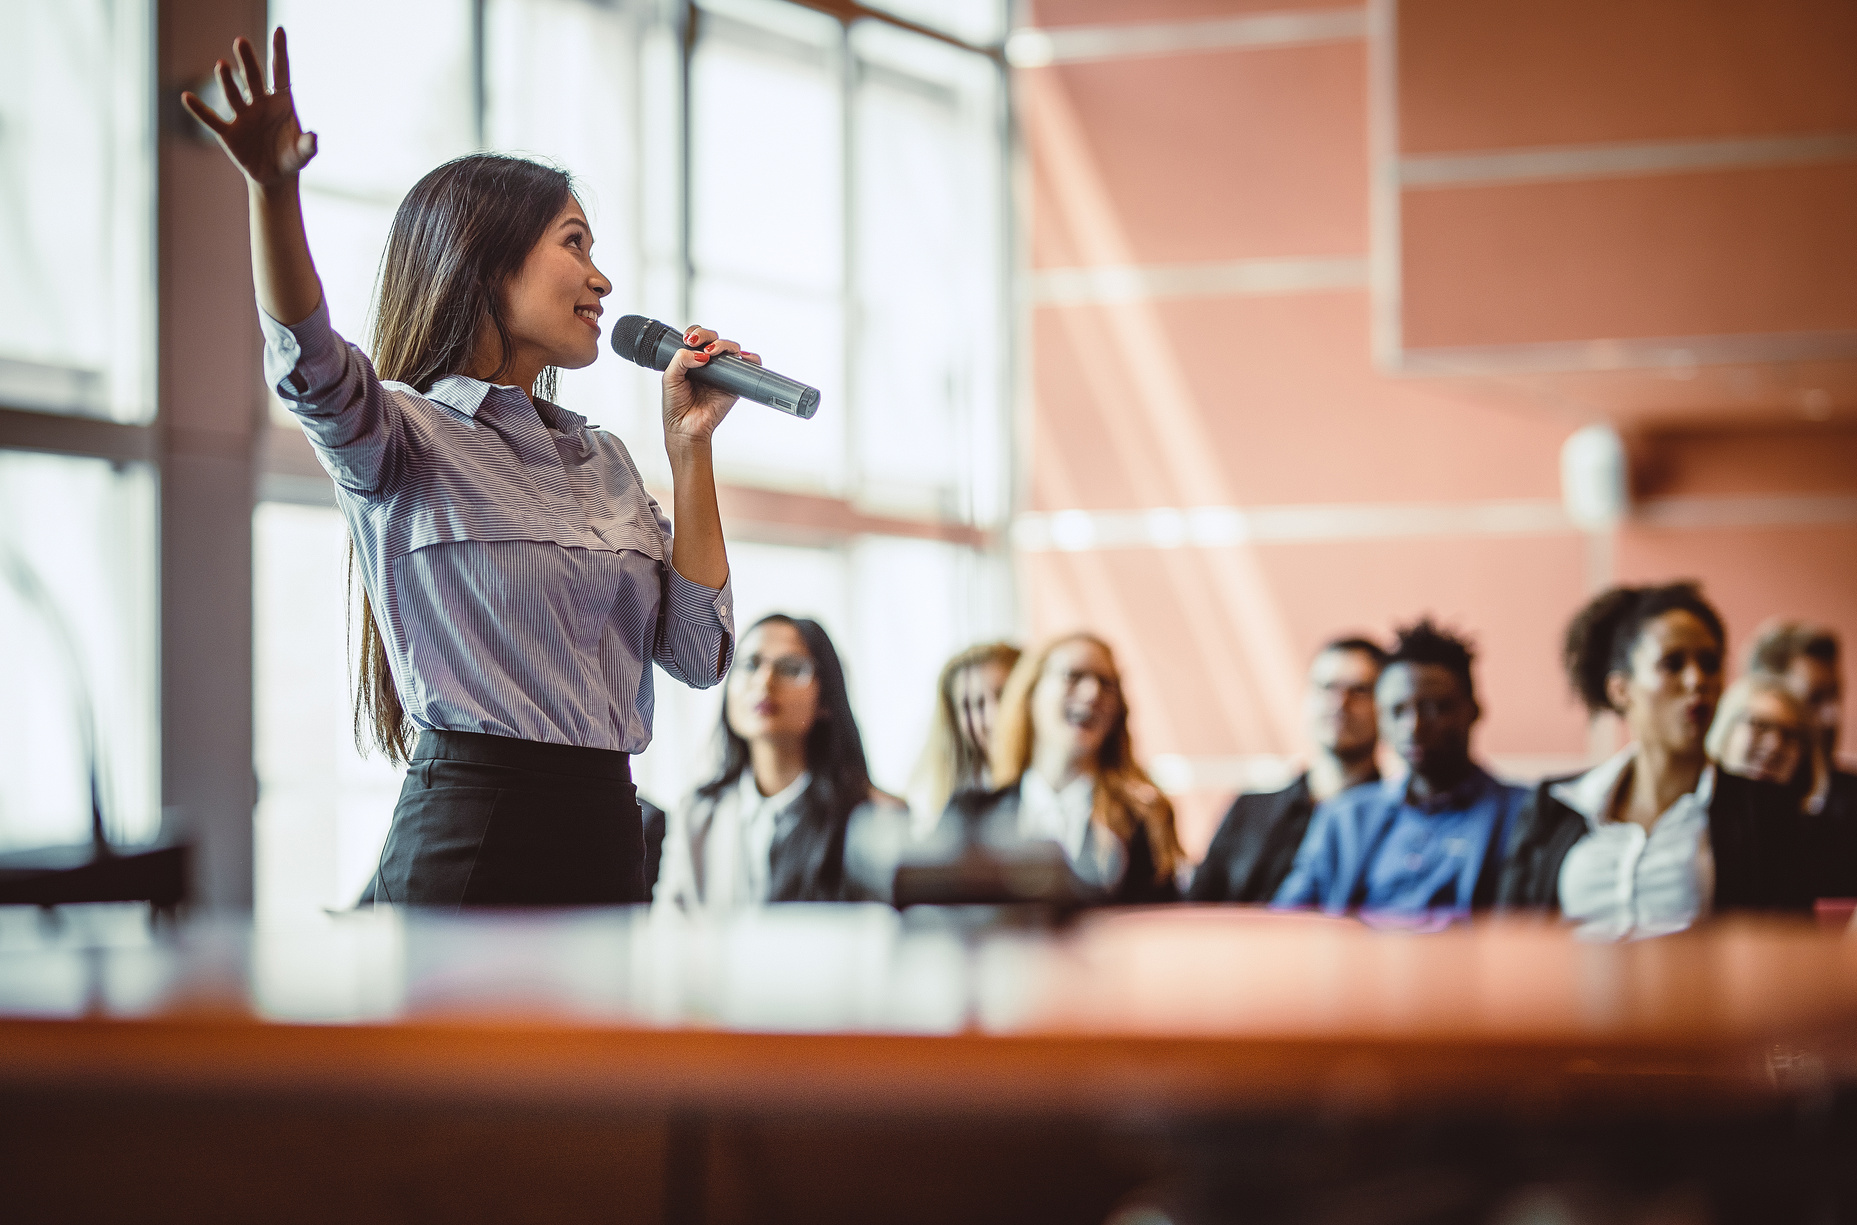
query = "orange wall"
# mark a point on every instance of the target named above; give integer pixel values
(1199, 398)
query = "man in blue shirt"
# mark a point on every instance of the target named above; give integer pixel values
(1433, 840)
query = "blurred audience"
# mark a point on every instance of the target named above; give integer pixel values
(1654, 838)
(1761, 731)
(966, 700)
(791, 815)
(1434, 839)
(1257, 842)
(1806, 658)
(1064, 771)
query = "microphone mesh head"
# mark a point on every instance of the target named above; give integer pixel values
(626, 336)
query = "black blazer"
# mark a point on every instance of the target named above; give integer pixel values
(1255, 847)
(993, 816)
(1831, 839)
(1754, 830)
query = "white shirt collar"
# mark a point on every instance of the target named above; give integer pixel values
(753, 801)
(1594, 793)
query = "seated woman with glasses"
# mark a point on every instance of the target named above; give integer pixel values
(1064, 771)
(791, 815)
(1763, 731)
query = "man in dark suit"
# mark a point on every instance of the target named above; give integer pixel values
(1804, 658)
(1256, 843)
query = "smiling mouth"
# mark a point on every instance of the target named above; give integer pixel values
(589, 315)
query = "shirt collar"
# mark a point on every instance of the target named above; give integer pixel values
(752, 799)
(1594, 793)
(1468, 790)
(467, 395)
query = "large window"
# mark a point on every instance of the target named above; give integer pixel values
(77, 532)
(831, 195)
(76, 209)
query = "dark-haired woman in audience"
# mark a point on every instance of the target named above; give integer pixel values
(791, 815)
(1065, 772)
(967, 698)
(1655, 838)
(1763, 731)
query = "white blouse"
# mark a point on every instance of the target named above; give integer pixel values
(720, 856)
(717, 856)
(1063, 817)
(1623, 880)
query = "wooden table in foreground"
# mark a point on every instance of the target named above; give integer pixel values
(882, 1024)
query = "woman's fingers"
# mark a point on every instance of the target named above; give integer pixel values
(697, 337)
(229, 85)
(204, 113)
(280, 61)
(717, 347)
(249, 65)
(751, 357)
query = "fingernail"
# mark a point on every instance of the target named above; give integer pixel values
(702, 357)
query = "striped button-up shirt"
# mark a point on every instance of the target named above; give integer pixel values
(518, 570)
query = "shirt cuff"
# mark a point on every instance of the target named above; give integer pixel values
(696, 603)
(300, 357)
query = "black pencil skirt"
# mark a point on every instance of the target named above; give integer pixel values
(495, 821)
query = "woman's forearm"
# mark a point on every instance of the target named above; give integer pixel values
(697, 549)
(283, 273)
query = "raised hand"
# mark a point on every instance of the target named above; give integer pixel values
(263, 137)
(692, 411)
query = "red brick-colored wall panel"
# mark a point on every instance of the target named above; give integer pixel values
(1055, 13)
(1205, 156)
(1258, 401)
(1797, 460)
(1511, 594)
(1196, 666)
(1771, 250)
(1475, 75)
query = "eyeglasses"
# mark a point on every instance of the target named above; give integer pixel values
(788, 669)
(1076, 676)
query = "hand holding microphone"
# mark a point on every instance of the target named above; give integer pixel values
(653, 345)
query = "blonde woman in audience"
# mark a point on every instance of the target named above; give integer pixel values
(966, 699)
(1763, 731)
(1655, 838)
(1064, 771)
(791, 815)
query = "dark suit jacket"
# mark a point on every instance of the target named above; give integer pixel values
(1831, 840)
(1255, 846)
(1754, 831)
(993, 816)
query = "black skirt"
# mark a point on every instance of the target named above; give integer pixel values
(495, 821)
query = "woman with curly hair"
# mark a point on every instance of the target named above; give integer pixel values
(1655, 838)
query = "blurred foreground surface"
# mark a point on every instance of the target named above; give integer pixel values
(848, 1063)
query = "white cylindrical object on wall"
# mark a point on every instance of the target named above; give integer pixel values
(1595, 478)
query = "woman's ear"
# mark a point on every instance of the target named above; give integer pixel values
(1618, 690)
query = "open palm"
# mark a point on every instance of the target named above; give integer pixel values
(263, 137)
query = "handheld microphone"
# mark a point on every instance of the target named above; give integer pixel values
(652, 344)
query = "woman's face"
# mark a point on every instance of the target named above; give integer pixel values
(552, 306)
(975, 696)
(1076, 701)
(773, 690)
(1768, 742)
(1669, 696)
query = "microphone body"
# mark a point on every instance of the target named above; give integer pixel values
(653, 345)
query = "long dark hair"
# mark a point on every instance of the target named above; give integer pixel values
(460, 234)
(834, 758)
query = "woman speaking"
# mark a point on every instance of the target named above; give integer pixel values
(518, 579)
